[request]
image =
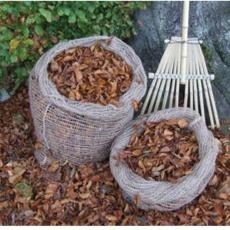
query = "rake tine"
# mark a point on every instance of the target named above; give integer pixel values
(177, 93)
(167, 70)
(191, 81)
(195, 95)
(166, 93)
(171, 70)
(178, 80)
(191, 93)
(201, 99)
(198, 72)
(172, 92)
(148, 96)
(203, 70)
(186, 94)
(154, 95)
(208, 103)
(150, 91)
(213, 104)
(195, 71)
(160, 70)
(158, 99)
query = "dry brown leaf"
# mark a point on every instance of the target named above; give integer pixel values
(84, 195)
(71, 193)
(111, 218)
(182, 123)
(38, 145)
(17, 172)
(50, 190)
(68, 58)
(223, 196)
(214, 181)
(78, 74)
(53, 166)
(3, 205)
(137, 199)
(54, 66)
(72, 95)
(78, 96)
(225, 185)
(167, 133)
(113, 87)
(219, 208)
(141, 165)
(135, 105)
(136, 152)
(165, 149)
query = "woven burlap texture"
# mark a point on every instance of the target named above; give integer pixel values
(161, 195)
(72, 130)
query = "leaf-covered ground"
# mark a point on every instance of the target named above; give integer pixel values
(88, 194)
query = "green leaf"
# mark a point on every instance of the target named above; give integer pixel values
(60, 11)
(97, 28)
(5, 34)
(99, 17)
(81, 15)
(91, 7)
(72, 18)
(46, 14)
(14, 44)
(25, 31)
(109, 14)
(24, 189)
(30, 20)
(13, 58)
(66, 11)
(28, 42)
(22, 53)
(21, 72)
(20, 75)
(38, 30)
(7, 8)
(51, 7)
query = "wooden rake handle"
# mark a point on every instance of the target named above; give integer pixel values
(184, 37)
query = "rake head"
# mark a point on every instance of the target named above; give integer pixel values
(166, 90)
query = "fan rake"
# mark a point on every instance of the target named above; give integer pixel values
(182, 72)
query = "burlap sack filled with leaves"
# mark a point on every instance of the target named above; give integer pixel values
(76, 131)
(160, 194)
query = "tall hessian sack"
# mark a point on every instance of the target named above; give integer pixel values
(75, 131)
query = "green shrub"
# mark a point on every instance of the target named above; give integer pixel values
(27, 29)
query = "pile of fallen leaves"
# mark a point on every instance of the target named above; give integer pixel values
(165, 150)
(88, 194)
(90, 74)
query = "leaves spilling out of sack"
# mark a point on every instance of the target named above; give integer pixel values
(91, 74)
(165, 150)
